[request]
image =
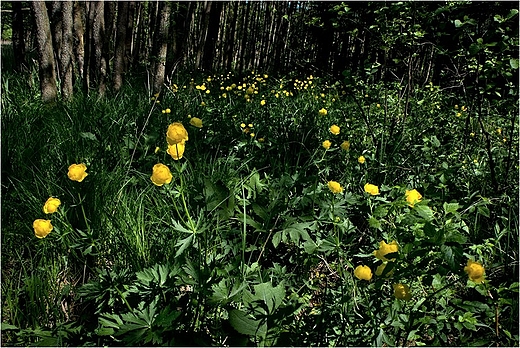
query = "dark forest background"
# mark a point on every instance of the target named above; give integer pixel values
(94, 45)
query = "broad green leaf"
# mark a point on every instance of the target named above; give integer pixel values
(514, 63)
(88, 135)
(483, 210)
(458, 23)
(424, 211)
(450, 207)
(277, 237)
(245, 324)
(374, 223)
(272, 297)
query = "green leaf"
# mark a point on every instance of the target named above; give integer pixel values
(245, 324)
(424, 211)
(272, 297)
(88, 135)
(483, 210)
(5, 326)
(514, 63)
(374, 223)
(450, 207)
(277, 237)
(183, 244)
(458, 23)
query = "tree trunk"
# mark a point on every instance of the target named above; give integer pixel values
(20, 63)
(56, 22)
(212, 34)
(47, 70)
(79, 31)
(95, 63)
(161, 42)
(119, 58)
(66, 51)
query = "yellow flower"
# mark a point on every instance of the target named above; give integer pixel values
(499, 130)
(161, 175)
(463, 108)
(363, 273)
(458, 114)
(475, 271)
(197, 122)
(381, 268)
(402, 292)
(176, 134)
(77, 172)
(262, 102)
(176, 150)
(42, 227)
(243, 125)
(385, 249)
(472, 134)
(335, 187)
(412, 197)
(334, 129)
(456, 106)
(51, 205)
(345, 145)
(361, 159)
(372, 189)
(157, 149)
(252, 135)
(378, 105)
(202, 104)
(250, 125)
(323, 112)
(326, 144)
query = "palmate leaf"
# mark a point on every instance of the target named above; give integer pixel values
(271, 296)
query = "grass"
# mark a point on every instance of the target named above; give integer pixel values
(247, 245)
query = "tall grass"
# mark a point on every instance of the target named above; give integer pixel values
(247, 245)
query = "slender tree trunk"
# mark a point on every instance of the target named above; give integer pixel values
(79, 31)
(47, 70)
(20, 63)
(161, 41)
(129, 42)
(212, 34)
(56, 22)
(66, 52)
(119, 58)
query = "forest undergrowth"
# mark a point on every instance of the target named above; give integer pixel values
(260, 210)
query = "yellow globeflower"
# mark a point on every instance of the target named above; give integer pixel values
(475, 271)
(51, 205)
(402, 292)
(412, 197)
(335, 187)
(197, 122)
(385, 249)
(361, 159)
(176, 150)
(334, 129)
(363, 273)
(42, 227)
(323, 112)
(176, 134)
(77, 172)
(326, 144)
(262, 102)
(372, 189)
(345, 145)
(161, 175)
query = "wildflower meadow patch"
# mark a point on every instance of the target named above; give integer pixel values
(260, 210)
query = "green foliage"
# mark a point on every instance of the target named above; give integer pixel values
(247, 245)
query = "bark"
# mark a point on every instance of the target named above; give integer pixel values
(66, 51)
(95, 63)
(119, 57)
(129, 36)
(56, 22)
(47, 70)
(212, 34)
(161, 40)
(20, 63)
(78, 33)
